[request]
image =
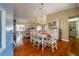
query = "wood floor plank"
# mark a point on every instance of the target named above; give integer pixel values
(29, 50)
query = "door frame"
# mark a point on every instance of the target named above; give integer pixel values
(68, 23)
(3, 29)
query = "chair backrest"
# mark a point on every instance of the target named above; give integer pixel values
(32, 31)
(34, 34)
(55, 33)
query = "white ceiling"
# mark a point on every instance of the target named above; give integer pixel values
(31, 10)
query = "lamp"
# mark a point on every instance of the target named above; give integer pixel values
(42, 18)
(41, 21)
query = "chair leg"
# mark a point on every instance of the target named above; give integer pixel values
(42, 46)
(52, 49)
(56, 46)
(33, 43)
(38, 46)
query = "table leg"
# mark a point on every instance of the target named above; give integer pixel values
(42, 44)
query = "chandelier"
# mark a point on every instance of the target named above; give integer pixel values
(42, 18)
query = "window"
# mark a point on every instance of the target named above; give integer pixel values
(20, 27)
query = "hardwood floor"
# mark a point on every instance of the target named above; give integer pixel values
(29, 50)
(74, 43)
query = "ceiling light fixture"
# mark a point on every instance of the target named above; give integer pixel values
(42, 18)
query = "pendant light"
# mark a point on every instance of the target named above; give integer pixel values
(42, 18)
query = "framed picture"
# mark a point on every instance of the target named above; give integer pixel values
(53, 24)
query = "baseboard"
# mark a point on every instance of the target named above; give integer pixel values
(66, 40)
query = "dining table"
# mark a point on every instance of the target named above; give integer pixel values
(44, 36)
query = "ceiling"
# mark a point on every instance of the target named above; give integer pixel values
(28, 11)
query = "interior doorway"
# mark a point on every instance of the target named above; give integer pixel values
(74, 34)
(19, 30)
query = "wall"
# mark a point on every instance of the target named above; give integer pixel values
(9, 24)
(63, 18)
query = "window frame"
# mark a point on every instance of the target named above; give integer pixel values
(3, 33)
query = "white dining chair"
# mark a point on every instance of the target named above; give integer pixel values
(34, 38)
(37, 39)
(52, 42)
(32, 34)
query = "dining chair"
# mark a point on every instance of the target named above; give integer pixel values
(37, 39)
(52, 42)
(34, 38)
(32, 33)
